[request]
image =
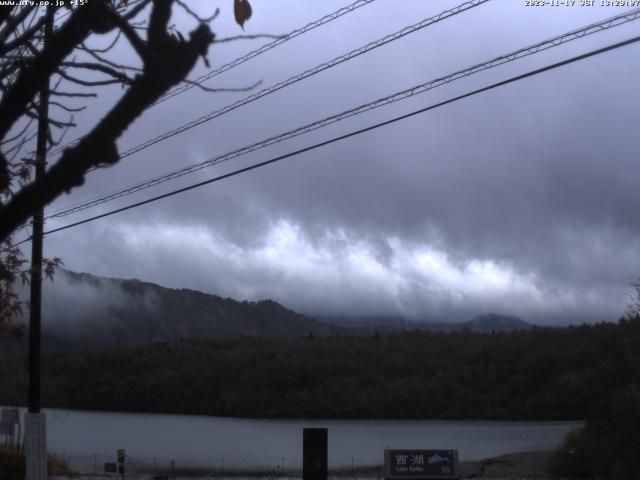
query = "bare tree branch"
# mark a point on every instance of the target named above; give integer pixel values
(100, 68)
(5, 13)
(106, 61)
(197, 17)
(175, 59)
(62, 42)
(136, 42)
(52, 121)
(18, 135)
(23, 38)
(26, 61)
(72, 94)
(105, 49)
(136, 10)
(89, 83)
(67, 108)
(158, 22)
(55, 143)
(13, 22)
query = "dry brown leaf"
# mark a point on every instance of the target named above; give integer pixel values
(242, 11)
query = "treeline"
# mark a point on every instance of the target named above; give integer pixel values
(542, 373)
(609, 443)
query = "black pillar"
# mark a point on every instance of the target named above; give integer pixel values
(35, 299)
(314, 454)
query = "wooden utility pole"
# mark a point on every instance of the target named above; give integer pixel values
(35, 300)
(35, 432)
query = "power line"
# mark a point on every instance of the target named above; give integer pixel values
(245, 58)
(517, 54)
(264, 48)
(307, 73)
(301, 76)
(351, 134)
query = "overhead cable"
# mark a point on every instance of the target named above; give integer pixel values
(350, 134)
(424, 87)
(245, 58)
(306, 74)
(264, 48)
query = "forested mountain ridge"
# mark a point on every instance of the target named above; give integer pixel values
(87, 311)
(83, 311)
(535, 374)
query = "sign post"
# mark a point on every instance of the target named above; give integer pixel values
(314, 453)
(121, 458)
(421, 464)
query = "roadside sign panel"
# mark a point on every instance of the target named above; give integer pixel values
(421, 464)
(109, 468)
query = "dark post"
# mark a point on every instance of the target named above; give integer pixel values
(314, 455)
(36, 247)
(35, 422)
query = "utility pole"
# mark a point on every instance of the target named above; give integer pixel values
(35, 421)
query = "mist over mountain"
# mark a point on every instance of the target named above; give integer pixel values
(494, 322)
(485, 323)
(83, 311)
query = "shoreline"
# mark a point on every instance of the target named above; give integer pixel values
(519, 465)
(526, 420)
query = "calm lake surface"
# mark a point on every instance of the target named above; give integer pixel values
(247, 442)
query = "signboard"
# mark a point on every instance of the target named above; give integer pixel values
(109, 468)
(421, 464)
(9, 415)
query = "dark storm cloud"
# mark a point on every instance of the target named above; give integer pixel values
(522, 199)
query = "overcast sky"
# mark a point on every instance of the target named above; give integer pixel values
(523, 200)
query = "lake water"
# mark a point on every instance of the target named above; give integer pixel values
(92, 438)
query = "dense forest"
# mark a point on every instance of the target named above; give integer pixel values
(541, 373)
(608, 445)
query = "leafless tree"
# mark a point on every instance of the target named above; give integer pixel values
(633, 308)
(67, 56)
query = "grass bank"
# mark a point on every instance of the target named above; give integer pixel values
(12, 465)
